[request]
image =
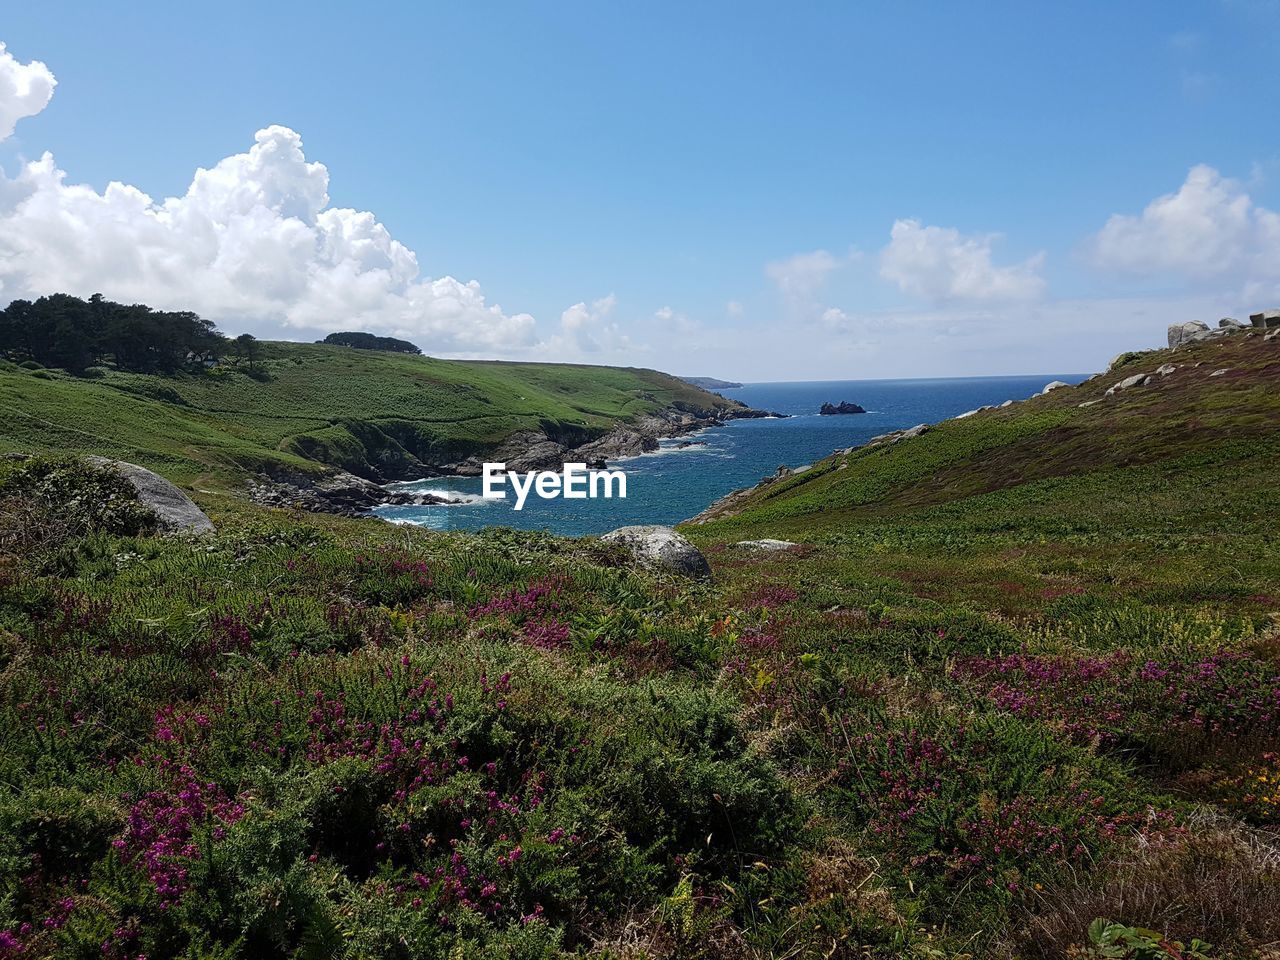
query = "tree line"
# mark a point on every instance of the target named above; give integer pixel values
(367, 341)
(64, 331)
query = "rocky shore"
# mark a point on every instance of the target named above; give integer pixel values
(339, 492)
(344, 493)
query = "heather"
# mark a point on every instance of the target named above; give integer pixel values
(962, 719)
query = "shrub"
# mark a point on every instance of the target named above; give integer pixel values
(44, 504)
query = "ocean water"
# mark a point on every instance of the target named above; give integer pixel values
(672, 484)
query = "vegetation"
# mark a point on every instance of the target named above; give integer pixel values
(74, 334)
(367, 341)
(290, 408)
(1014, 694)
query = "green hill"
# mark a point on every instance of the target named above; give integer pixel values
(1191, 453)
(376, 414)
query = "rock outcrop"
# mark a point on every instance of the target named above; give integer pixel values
(661, 548)
(1055, 385)
(177, 512)
(1192, 330)
(843, 407)
(340, 493)
(766, 545)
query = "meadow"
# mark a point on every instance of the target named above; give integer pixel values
(303, 407)
(1013, 692)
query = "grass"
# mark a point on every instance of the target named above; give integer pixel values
(1014, 694)
(371, 412)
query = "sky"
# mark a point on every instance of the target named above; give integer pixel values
(755, 191)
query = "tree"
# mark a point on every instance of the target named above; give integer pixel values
(246, 347)
(367, 341)
(64, 331)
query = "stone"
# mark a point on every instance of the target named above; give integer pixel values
(1230, 323)
(1265, 318)
(1137, 380)
(1220, 373)
(1050, 387)
(1192, 330)
(660, 548)
(177, 512)
(1088, 403)
(1165, 369)
(767, 544)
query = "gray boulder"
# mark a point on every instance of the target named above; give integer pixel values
(1230, 323)
(177, 512)
(1192, 330)
(767, 544)
(1050, 387)
(661, 548)
(1137, 380)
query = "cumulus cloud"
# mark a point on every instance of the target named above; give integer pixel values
(252, 242)
(25, 90)
(801, 276)
(1209, 228)
(942, 264)
(589, 328)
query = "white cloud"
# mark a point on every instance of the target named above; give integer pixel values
(588, 328)
(673, 323)
(1209, 228)
(801, 276)
(253, 242)
(734, 309)
(25, 90)
(942, 264)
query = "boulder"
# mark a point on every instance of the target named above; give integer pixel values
(1165, 369)
(767, 544)
(661, 548)
(1266, 318)
(1050, 387)
(177, 512)
(1189, 332)
(1230, 323)
(1137, 380)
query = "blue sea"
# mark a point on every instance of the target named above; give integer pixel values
(673, 484)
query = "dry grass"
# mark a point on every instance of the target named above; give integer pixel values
(1220, 883)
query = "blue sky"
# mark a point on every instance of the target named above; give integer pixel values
(709, 188)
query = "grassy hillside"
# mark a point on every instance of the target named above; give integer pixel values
(1014, 694)
(368, 411)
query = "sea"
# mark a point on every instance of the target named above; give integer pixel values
(677, 482)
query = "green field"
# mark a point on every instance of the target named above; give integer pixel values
(371, 412)
(1015, 693)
